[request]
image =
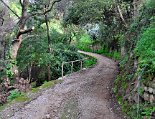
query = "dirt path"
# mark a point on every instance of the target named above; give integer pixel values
(82, 95)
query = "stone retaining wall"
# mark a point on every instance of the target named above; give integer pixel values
(149, 92)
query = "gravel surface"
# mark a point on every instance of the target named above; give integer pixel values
(83, 95)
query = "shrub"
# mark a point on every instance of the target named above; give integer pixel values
(36, 52)
(13, 94)
(145, 49)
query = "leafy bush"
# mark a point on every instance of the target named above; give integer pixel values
(84, 43)
(145, 111)
(145, 49)
(90, 62)
(17, 96)
(13, 94)
(35, 52)
(150, 4)
(58, 37)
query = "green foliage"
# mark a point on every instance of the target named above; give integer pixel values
(2, 107)
(22, 98)
(7, 67)
(150, 4)
(16, 7)
(142, 21)
(84, 43)
(66, 36)
(104, 51)
(123, 61)
(46, 84)
(104, 14)
(14, 94)
(34, 52)
(89, 62)
(142, 41)
(17, 96)
(145, 49)
(39, 57)
(145, 111)
(87, 11)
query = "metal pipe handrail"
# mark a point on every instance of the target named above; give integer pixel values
(72, 62)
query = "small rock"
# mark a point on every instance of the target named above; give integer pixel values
(153, 85)
(150, 90)
(47, 116)
(152, 99)
(145, 89)
(60, 78)
(111, 110)
(146, 96)
(67, 116)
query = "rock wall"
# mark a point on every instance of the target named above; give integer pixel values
(149, 92)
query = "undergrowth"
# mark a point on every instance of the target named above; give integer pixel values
(46, 84)
(86, 43)
(18, 97)
(90, 62)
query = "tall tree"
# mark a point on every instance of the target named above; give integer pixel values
(26, 15)
(49, 42)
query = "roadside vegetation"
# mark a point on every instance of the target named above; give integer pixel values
(37, 36)
(126, 33)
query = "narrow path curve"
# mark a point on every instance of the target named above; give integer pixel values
(82, 95)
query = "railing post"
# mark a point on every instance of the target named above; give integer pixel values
(81, 64)
(72, 67)
(62, 70)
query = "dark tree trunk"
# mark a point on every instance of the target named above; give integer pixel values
(49, 45)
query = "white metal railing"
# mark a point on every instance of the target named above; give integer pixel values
(72, 65)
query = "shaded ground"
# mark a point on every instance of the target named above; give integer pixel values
(83, 95)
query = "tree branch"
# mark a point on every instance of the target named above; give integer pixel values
(30, 36)
(24, 32)
(121, 15)
(10, 9)
(45, 12)
(20, 1)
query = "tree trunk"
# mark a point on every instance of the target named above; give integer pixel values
(17, 42)
(29, 72)
(15, 46)
(49, 44)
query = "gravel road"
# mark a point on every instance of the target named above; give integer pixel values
(82, 95)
